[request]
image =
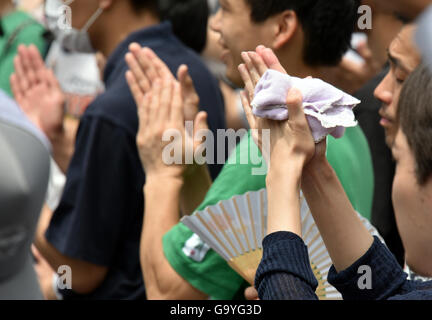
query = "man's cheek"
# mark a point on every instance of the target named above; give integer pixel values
(401, 187)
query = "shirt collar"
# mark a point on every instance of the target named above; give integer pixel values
(163, 29)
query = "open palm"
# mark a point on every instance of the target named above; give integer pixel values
(255, 65)
(37, 91)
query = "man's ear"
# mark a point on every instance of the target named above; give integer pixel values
(286, 24)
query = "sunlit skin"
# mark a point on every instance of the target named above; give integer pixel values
(237, 34)
(6, 6)
(412, 204)
(104, 34)
(404, 58)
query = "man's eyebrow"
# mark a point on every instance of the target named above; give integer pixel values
(396, 62)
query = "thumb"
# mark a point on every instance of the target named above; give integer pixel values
(295, 105)
(200, 122)
(189, 93)
(251, 294)
(185, 80)
(364, 51)
(271, 60)
(36, 253)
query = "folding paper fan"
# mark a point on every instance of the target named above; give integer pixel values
(235, 229)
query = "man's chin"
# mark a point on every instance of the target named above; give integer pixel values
(390, 139)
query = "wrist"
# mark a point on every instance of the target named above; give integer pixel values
(57, 135)
(163, 179)
(194, 170)
(317, 170)
(289, 169)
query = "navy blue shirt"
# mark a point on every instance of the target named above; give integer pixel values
(99, 219)
(285, 274)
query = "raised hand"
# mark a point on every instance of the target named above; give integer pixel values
(256, 64)
(189, 94)
(254, 67)
(38, 92)
(146, 67)
(161, 111)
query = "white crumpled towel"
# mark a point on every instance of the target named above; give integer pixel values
(328, 109)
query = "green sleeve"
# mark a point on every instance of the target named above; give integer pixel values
(212, 275)
(30, 34)
(349, 156)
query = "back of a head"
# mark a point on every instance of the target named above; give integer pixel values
(189, 20)
(328, 25)
(415, 118)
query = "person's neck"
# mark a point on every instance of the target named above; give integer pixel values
(297, 68)
(5, 7)
(108, 41)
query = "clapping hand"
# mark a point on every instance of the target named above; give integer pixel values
(38, 92)
(288, 139)
(164, 105)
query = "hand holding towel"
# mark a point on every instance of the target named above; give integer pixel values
(328, 109)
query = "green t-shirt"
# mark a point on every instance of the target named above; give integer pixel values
(205, 269)
(19, 28)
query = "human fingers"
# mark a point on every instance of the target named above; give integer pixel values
(143, 112)
(27, 66)
(200, 122)
(249, 87)
(177, 112)
(16, 88)
(35, 57)
(258, 63)
(186, 82)
(295, 106)
(364, 51)
(153, 109)
(260, 49)
(248, 110)
(251, 294)
(160, 67)
(134, 87)
(20, 74)
(144, 63)
(166, 96)
(254, 75)
(272, 61)
(190, 96)
(141, 81)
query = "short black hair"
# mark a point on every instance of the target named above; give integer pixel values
(415, 119)
(328, 25)
(152, 5)
(189, 19)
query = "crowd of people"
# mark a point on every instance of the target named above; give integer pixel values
(89, 207)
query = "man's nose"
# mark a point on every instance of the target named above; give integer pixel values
(384, 91)
(215, 21)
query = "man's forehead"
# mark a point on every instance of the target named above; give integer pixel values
(233, 3)
(404, 49)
